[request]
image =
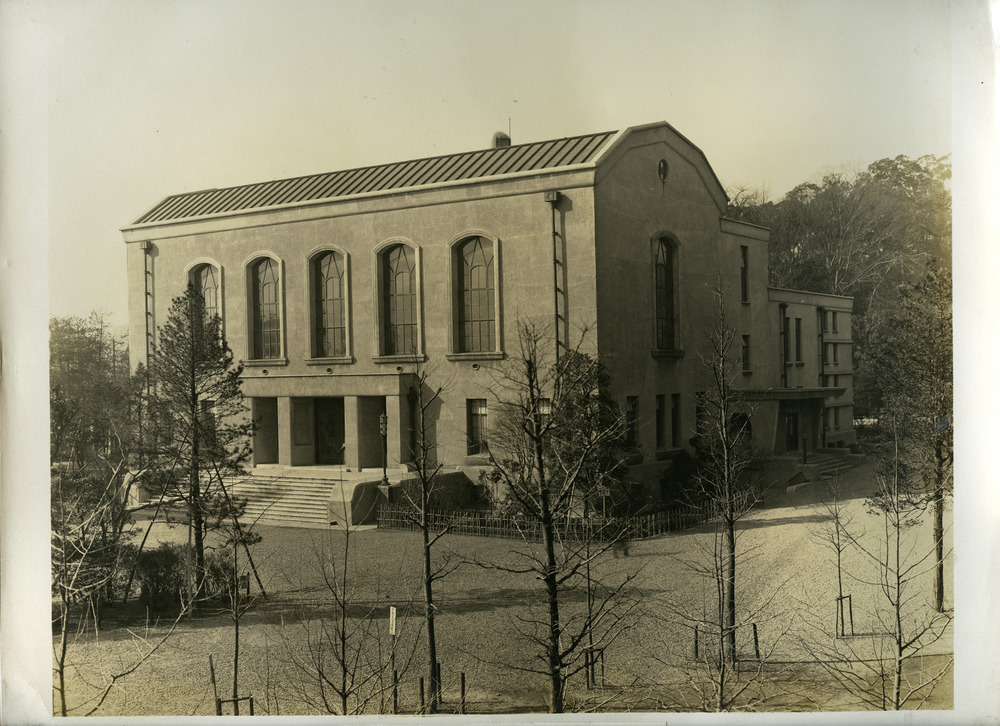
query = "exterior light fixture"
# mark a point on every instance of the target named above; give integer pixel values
(383, 429)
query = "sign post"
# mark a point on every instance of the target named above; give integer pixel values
(392, 656)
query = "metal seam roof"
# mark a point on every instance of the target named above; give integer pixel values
(383, 177)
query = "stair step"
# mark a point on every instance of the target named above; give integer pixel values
(284, 500)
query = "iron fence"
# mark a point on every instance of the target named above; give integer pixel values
(485, 523)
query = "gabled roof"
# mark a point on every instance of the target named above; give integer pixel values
(385, 177)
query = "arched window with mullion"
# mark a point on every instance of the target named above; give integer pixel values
(206, 284)
(665, 291)
(266, 309)
(331, 305)
(399, 286)
(477, 310)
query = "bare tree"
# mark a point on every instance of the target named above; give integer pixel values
(725, 482)
(884, 668)
(85, 561)
(347, 660)
(555, 438)
(914, 368)
(420, 500)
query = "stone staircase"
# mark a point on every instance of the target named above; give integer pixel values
(284, 501)
(829, 466)
(298, 496)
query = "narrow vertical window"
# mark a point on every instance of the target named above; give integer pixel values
(836, 418)
(476, 427)
(266, 314)
(836, 355)
(785, 345)
(661, 421)
(823, 319)
(631, 415)
(746, 352)
(744, 274)
(206, 284)
(664, 273)
(330, 305)
(834, 315)
(675, 420)
(826, 353)
(206, 422)
(399, 287)
(798, 340)
(477, 309)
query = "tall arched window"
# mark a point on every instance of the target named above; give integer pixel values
(266, 310)
(399, 304)
(666, 338)
(206, 283)
(330, 305)
(477, 297)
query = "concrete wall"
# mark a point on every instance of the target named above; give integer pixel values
(513, 214)
(633, 210)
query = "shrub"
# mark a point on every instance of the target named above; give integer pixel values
(161, 573)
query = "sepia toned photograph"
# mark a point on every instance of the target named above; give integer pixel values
(488, 361)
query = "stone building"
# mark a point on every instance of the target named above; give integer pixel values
(333, 287)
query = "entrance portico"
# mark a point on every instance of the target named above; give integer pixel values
(333, 420)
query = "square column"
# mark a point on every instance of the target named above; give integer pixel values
(352, 433)
(396, 413)
(285, 431)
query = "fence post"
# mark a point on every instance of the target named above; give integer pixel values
(215, 689)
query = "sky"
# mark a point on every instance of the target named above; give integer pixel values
(166, 96)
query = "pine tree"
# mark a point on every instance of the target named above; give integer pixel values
(199, 417)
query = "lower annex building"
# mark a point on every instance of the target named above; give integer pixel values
(333, 287)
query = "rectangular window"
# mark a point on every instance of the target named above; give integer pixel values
(836, 418)
(661, 421)
(826, 353)
(744, 274)
(823, 319)
(836, 381)
(836, 360)
(834, 314)
(746, 352)
(675, 420)
(798, 340)
(631, 413)
(476, 427)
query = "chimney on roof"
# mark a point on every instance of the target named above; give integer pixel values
(501, 140)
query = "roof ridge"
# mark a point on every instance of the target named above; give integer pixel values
(369, 167)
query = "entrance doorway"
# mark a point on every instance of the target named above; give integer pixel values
(329, 419)
(265, 437)
(791, 431)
